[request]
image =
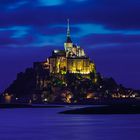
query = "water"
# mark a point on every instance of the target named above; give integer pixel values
(47, 124)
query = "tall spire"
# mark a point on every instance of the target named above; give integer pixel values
(68, 32)
(68, 28)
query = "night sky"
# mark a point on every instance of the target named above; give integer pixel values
(108, 30)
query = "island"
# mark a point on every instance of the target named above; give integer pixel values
(68, 76)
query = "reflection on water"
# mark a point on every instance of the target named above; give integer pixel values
(46, 124)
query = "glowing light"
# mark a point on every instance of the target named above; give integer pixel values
(90, 95)
(123, 96)
(56, 51)
(68, 98)
(30, 101)
(8, 98)
(95, 80)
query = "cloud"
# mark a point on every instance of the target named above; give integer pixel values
(51, 2)
(116, 15)
(58, 2)
(7, 2)
(84, 34)
(38, 22)
(110, 40)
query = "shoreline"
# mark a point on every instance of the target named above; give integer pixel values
(29, 106)
(108, 109)
(82, 109)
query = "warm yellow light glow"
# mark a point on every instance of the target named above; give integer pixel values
(95, 80)
(68, 98)
(8, 98)
(90, 95)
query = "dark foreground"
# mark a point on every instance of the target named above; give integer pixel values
(109, 109)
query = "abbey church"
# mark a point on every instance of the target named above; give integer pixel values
(72, 59)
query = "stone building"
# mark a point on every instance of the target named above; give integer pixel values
(72, 59)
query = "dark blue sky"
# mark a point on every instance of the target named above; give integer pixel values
(108, 30)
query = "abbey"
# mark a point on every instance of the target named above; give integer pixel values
(67, 76)
(72, 59)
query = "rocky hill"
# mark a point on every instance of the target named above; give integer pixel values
(40, 86)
